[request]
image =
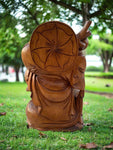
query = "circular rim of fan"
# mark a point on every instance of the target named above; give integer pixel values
(35, 38)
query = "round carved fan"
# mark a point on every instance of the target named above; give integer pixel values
(53, 46)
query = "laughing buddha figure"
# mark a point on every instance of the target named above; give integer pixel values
(55, 76)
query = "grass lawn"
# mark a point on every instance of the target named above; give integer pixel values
(99, 74)
(15, 136)
(98, 84)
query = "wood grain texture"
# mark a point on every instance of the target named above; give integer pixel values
(53, 46)
(55, 77)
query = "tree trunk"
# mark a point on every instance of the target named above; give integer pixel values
(106, 67)
(17, 73)
(85, 12)
(110, 60)
(3, 69)
(106, 57)
(23, 73)
(7, 70)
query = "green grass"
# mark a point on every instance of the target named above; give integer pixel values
(15, 136)
(98, 84)
(99, 74)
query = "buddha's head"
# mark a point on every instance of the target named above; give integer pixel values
(54, 46)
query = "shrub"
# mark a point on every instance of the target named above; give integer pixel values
(94, 68)
(111, 69)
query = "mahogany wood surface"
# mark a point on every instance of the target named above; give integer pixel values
(55, 76)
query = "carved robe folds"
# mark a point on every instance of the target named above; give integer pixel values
(55, 72)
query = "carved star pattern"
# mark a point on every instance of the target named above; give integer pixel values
(50, 50)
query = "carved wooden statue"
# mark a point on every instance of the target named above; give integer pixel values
(55, 76)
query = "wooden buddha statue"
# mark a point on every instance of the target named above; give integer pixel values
(55, 76)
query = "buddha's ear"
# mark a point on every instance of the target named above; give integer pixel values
(84, 33)
(26, 56)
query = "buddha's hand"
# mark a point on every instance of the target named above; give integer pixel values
(83, 35)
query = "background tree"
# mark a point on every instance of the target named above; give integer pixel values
(35, 12)
(30, 13)
(100, 12)
(104, 48)
(10, 49)
(10, 41)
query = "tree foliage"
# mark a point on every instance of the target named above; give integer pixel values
(30, 13)
(10, 46)
(100, 12)
(104, 48)
(10, 49)
(36, 12)
(10, 41)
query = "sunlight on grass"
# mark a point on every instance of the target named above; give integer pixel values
(15, 135)
(99, 74)
(98, 84)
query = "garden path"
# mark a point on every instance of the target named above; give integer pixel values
(107, 95)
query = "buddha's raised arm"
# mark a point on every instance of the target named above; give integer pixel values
(83, 35)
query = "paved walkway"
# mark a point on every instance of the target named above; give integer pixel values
(107, 95)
